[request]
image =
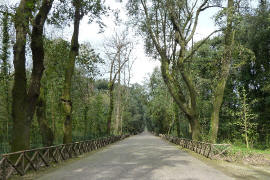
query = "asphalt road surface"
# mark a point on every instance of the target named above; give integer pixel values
(140, 157)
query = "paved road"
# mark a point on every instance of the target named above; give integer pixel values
(140, 157)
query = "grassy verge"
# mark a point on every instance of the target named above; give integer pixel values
(237, 169)
(249, 156)
(244, 150)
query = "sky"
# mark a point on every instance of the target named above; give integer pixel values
(143, 65)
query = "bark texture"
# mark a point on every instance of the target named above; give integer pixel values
(175, 71)
(46, 131)
(177, 119)
(109, 120)
(25, 100)
(66, 97)
(111, 85)
(225, 70)
(4, 74)
(245, 120)
(118, 102)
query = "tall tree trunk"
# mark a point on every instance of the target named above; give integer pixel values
(5, 69)
(24, 101)
(52, 110)
(85, 122)
(21, 128)
(121, 122)
(46, 132)
(118, 103)
(245, 119)
(37, 49)
(109, 120)
(171, 126)
(121, 45)
(195, 127)
(66, 97)
(189, 109)
(216, 106)
(225, 69)
(4, 58)
(177, 119)
(38, 68)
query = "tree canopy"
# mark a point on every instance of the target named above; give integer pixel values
(58, 89)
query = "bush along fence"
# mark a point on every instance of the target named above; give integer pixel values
(212, 151)
(19, 163)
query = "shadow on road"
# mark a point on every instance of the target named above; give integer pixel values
(139, 157)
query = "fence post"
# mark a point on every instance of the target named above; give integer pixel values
(4, 173)
(23, 165)
(210, 149)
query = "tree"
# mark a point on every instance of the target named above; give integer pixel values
(169, 27)
(5, 76)
(254, 75)
(82, 8)
(83, 89)
(24, 97)
(134, 115)
(48, 110)
(46, 131)
(118, 51)
(246, 116)
(225, 70)
(160, 106)
(124, 91)
(74, 51)
(177, 119)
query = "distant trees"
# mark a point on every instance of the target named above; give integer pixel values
(163, 114)
(216, 89)
(160, 105)
(254, 75)
(135, 111)
(59, 71)
(118, 50)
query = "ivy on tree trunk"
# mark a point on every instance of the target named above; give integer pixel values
(25, 99)
(66, 97)
(225, 70)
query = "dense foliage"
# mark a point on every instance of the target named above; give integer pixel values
(56, 91)
(244, 114)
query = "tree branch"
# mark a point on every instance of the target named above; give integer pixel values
(199, 10)
(200, 44)
(5, 12)
(147, 23)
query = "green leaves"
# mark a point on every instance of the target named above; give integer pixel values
(88, 61)
(63, 11)
(30, 4)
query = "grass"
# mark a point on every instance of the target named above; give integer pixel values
(236, 169)
(245, 151)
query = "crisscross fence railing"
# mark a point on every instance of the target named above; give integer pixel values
(208, 150)
(21, 162)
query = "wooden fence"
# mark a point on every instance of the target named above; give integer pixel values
(208, 150)
(20, 162)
